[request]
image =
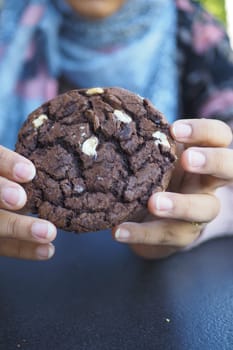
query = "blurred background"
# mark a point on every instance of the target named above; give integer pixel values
(223, 10)
(217, 7)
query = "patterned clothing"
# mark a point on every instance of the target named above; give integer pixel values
(203, 57)
(128, 49)
(205, 64)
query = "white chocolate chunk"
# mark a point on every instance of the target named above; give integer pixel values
(39, 121)
(122, 116)
(161, 139)
(94, 91)
(142, 98)
(89, 146)
(79, 188)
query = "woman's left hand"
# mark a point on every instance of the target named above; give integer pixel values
(175, 218)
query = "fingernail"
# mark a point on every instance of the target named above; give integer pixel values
(45, 251)
(196, 159)
(42, 230)
(24, 171)
(182, 130)
(163, 203)
(122, 234)
(13, 196)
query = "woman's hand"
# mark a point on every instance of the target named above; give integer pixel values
(20, 236)
(175, 218)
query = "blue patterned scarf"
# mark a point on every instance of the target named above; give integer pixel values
(40, 40)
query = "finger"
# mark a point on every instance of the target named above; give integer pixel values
(14, 248)
(15, 167)
(188, 207)
(12, 196)
(202, 132)
(166, 232)
(26, 228)
(217, 162)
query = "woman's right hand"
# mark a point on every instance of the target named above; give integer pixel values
(21, 236)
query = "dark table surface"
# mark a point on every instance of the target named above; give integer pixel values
(96, 295)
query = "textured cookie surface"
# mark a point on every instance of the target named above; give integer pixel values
(99, 155)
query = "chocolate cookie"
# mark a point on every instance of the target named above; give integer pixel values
(99, 155)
